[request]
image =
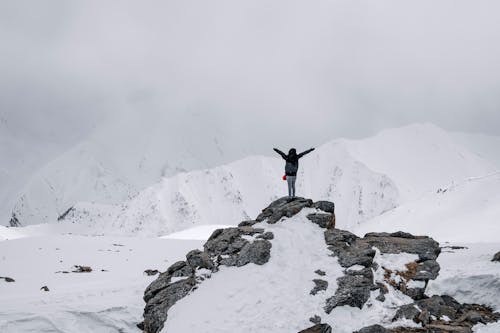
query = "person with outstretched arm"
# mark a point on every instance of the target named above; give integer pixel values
(291, 167)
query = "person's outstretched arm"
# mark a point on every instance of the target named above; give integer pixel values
(280, 152)
(305, 152)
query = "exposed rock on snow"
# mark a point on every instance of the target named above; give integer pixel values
(319, 328)
(7, 279)
(237, 246)
(225, 247)
(447, 313)
(151, 272)
(496, 257)
(394, 264)
(284, 207)
(355, 286)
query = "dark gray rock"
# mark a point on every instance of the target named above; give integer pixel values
(353, 290)
(324, 220)
(179, 269)
(155, 312)
(14, 221)
(315, 319)
(427, 270)
(326, 206)
(319, 285)
(353, 255)
(257, 252)
(7, 279)
(267, 236)
(247, 223)
(426, 248)
(225, 241)
(151, 272)
(496, 257)
(437, 306)
(283, 207)
(199, 259)
(320, 272)
(319, 328)
(373, 329)
(335, 236)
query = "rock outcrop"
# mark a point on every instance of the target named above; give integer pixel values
(235, 247)
(496, 257)
(362, 275)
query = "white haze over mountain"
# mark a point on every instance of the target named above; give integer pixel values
(365, 178)
(198, 84)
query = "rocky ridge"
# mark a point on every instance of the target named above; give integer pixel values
(363, 275)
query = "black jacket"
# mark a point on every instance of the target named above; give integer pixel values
(292, 160)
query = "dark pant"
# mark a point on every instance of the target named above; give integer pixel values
(291, 185)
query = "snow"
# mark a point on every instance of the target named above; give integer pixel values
(228, 195)
(270, 298)
(199, 233)
(468, 274)
(419, 158)
(275, 297)
(100, 301)
(462, 212)
(135, 209)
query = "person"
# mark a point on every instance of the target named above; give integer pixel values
(291, 167)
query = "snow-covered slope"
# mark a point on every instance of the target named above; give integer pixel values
(365, 178)
(466, 211)
(103, 178)
(419, 158)
(112, 164)
(486, 146)
(237, 191)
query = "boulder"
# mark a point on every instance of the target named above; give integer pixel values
(155, 312)
(496, 257)
(426, 248)
(283, 207)
(324, 220)
(353, 290)
(326, 206)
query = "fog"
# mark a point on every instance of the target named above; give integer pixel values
(266, 71)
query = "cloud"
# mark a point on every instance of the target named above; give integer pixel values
(297, 72)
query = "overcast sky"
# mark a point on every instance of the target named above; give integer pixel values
(310, 70)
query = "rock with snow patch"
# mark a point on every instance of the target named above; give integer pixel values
(283, 207)
(425, 247)
(353, 290)
(267, 236)
(434, 309)
(199, 259)
(155, 312)
(224, 247)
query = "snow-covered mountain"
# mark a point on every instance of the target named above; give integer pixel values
(365, 178)
(113, 163)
